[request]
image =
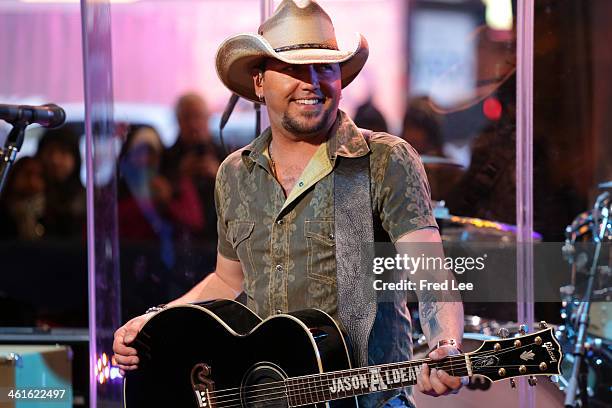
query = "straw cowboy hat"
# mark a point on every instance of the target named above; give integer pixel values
(299, 32)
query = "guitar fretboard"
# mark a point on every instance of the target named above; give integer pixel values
(324, 387)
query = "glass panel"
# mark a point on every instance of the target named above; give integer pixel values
(461, 116)
(43, 277)
(105, 386)
(572, 168)
(169, 101)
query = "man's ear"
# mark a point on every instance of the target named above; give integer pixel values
(258, 78)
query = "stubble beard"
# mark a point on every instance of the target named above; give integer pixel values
(298, 127)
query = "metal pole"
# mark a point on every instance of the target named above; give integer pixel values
(102, 247)
(524, 177)
(266, 8)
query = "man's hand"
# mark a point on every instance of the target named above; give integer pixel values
(438, 382)
(126, 357)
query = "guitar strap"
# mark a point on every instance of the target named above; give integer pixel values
(353, 214)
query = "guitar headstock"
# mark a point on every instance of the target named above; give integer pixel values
(529, 354)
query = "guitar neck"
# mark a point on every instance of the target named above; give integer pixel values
(324, 387)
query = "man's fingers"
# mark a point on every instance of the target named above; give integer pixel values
(449, 381)
(123, 350)
(425, 384)
(126, 360)
(436, 384)
(123, 369)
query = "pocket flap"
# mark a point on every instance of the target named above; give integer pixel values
(238, 231)
(321, 230)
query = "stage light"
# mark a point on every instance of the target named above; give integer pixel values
(492, 108)
(105, 370)
(498, 14)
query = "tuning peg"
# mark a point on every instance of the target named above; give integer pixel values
(523, 329)
(512, 383)
(503, 333)
(553, 378)
(532, 381)
(543, 325)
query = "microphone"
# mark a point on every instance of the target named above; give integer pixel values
(229, 108)
(49, 115)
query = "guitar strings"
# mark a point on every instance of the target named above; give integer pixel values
(302, 385)
(303, 382)
(298, 390)
(300, 403)
(318, 375)
(310, 391)
(309, 387)
(285, 397)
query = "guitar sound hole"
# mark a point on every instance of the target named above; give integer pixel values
(263, 387)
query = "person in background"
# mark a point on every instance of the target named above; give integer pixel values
(22, 203)
(194, 155)
(148, 208)
(65, 208)
(422, 127)
(369, 117)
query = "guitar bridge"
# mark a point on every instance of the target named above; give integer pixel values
(201, 384)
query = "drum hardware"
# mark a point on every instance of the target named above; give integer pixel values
(577, 386)
(607, 184)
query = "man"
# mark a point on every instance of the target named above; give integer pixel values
(194, 157)
(275, 196)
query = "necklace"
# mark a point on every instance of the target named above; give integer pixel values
(272, 163)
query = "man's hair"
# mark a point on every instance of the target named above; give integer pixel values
(186, 99)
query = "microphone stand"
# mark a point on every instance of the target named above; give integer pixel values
(257, 118)
(579, 369)
(12, 145)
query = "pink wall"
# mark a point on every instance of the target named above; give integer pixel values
(162, 48)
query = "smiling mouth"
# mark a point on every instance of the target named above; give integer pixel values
(309, 101)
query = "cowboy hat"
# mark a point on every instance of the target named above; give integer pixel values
(299, 32)
(494, 64)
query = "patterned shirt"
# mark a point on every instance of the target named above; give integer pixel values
(286, 244)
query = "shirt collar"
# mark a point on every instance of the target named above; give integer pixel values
(346, 140)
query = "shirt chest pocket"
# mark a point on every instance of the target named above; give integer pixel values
(238, 234)
(320, 240)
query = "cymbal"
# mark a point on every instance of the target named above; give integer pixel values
(440, 160)
(607, 184)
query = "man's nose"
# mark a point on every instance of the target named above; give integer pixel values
(311, 76)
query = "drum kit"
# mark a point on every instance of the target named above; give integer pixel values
(586, 333)
(586, 309)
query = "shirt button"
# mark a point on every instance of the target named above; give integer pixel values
(301, 184)
(331, 236)
(279, 268)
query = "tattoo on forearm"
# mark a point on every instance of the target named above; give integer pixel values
(429, 314)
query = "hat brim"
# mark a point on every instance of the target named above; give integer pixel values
(238, 57)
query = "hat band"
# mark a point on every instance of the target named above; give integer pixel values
(305, 46)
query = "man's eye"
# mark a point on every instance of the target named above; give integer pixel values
(326, 68)
(288, 68)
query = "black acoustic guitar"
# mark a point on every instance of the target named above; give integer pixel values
(222, 355)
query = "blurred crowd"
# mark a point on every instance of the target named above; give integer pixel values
(164, 194)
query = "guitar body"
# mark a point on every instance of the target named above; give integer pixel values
(221, 355)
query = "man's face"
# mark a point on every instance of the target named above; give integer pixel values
(192, 119)
(301, 99)
(58, 161)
